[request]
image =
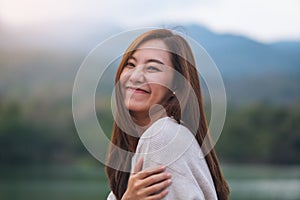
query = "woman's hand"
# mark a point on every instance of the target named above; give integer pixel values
(149, 184)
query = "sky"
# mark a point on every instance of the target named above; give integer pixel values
(263, 20)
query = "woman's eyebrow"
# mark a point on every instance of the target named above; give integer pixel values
(156, 61)
(132, 57)
(147, 61)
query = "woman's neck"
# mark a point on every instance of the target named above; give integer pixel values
(144, 120)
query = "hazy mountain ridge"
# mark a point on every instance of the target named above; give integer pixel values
(37, 60)
(235, 54)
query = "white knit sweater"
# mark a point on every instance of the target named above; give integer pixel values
(170, 144)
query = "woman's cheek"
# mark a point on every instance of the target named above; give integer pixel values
(158, 93)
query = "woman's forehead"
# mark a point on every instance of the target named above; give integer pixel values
(154, 44)
(144, 55)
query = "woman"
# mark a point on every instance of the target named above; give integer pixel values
(160, 117)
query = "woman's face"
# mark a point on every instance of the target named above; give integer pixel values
(146, 77)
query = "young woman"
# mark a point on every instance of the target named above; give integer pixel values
(160, 117)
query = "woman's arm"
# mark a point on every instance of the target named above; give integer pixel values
(148, 184)
(174, 146)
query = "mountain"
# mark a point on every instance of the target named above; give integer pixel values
(36, 60)
(240, 56)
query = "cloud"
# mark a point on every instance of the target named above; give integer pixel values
(265, 20)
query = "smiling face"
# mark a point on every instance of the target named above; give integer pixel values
(146, 77)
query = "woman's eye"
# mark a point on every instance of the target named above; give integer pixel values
(130, 65)
(152, 68)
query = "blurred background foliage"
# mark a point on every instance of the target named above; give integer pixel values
(257, 133)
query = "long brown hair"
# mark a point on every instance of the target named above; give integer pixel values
(183, 62)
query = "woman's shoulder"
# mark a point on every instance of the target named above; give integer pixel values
(166, 129)
(111, 196)
(166, 141)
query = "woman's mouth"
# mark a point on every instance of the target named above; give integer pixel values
(137, 90)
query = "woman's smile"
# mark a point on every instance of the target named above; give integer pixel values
(136, 90)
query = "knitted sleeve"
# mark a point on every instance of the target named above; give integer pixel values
(173, 145)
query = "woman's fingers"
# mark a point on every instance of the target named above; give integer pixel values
(158, 196)
(147, 184)
(148, 172)
(155, 178)
(157, 188)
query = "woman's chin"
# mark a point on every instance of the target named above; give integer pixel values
(137, 106)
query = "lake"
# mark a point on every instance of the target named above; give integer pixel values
(86, 182)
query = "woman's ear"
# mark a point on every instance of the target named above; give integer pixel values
(172, 95)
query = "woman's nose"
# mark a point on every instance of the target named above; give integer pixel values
(137, 75)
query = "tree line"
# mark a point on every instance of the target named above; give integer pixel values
(257, 133)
